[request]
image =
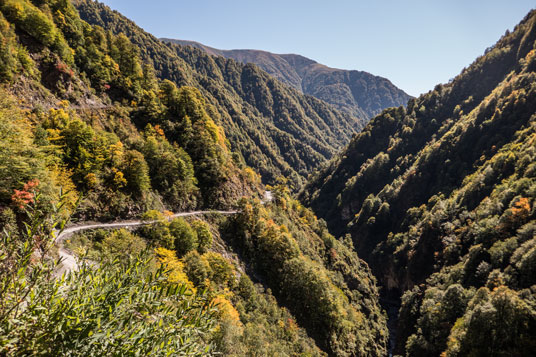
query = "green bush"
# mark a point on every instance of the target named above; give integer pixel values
(122, 243)
(157, 233)
(222, 270)
(117, 307)
(204, 236)
(196, 268)
(185, 236)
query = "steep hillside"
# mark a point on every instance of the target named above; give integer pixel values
(358, 93)
(87, 131)
(440, 200)
(276, 129)
(157, 146)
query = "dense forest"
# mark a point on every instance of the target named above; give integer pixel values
(274, 128)
(358, 93)
(101, 123)
(428, 213)
(439, 199)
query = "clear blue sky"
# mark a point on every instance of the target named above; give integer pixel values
(414, 43)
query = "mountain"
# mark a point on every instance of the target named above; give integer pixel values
(439, 198)
(89, 133)
(274, 128)
(358, 93)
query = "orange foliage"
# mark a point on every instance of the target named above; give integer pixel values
(521, 207)
(292, 325)
(25, 196)
(158, 130)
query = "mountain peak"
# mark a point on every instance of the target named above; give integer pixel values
(358, 93)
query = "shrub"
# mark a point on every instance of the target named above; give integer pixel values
(117, 307)
(122, 243)
(158, 231)
(185, 237)
(204, 236)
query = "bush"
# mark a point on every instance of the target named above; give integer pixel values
(117, 307)
(204, 236)
(122, 243)
(196, 268)
(185, 237)
(157, 232)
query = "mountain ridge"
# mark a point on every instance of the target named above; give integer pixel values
(357, 92)
(272, 127)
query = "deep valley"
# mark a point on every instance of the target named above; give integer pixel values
(162, 197)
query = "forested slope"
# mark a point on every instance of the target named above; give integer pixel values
(358, 93)
(88, 131)
(276, 129)
(440, 200)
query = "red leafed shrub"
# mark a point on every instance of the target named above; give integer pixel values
(63, 68)
(25, 196)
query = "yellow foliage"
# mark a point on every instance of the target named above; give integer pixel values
(175, 266)
(252, 176)
(116, 151)
(60, 17)
(57, 118)
(53, 135)
(227, 310)
(63, 104)
(283, 228)
(61, 177)
(17, 10)
(529, 58)
(216, 132)
(119, 178)
(91, 180)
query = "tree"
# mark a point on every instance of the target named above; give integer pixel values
(157, 233)
(136, 172)
(497, 323)
(185, 236)
(170, 167)
(222, 270)
(204, 236)
(197, 268)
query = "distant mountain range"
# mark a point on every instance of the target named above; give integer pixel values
(356, 92)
